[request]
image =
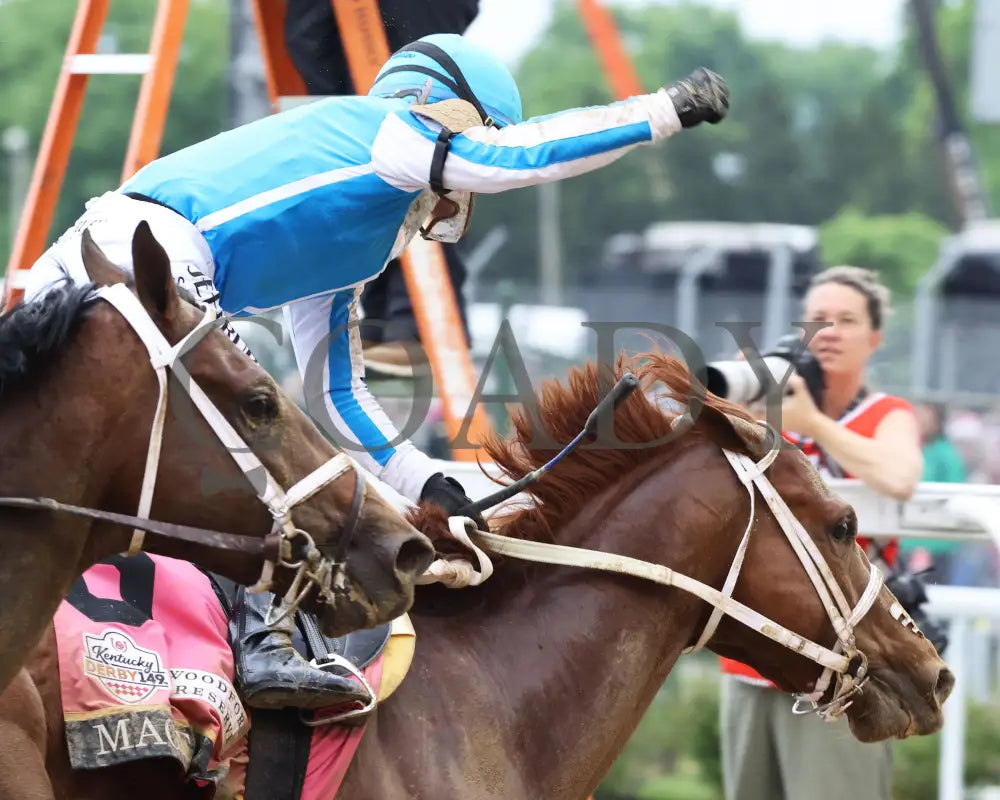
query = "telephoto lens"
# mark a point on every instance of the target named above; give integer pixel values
(737, 382)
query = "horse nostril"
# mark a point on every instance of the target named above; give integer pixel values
(945, 683)
(414, 556)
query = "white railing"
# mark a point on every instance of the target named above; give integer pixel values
(962, 605)
(936, 510)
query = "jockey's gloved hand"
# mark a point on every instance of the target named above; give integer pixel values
(449, 494)
(700, 97)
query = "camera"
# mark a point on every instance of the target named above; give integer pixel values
(737, 382)
(908, 588)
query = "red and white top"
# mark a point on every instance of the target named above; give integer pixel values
(864, 420)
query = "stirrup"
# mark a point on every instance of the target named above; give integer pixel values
(327, 663)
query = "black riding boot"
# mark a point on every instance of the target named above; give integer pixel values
(700, 97)
(270, 673)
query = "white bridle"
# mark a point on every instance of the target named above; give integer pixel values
(844, 660)
(851, 666)
(314, 569)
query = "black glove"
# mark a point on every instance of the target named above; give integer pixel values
(700, 97)
(449, 494)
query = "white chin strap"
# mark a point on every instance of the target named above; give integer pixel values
(280, 503)
(845, 661)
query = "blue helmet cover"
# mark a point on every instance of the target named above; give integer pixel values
(493, 88)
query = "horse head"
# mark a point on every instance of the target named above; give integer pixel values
(903, 682)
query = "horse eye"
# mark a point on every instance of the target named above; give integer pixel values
(261, 407)
(844, 530)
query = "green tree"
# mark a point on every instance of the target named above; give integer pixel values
(33, 38)
(817, 130)
(901, 247)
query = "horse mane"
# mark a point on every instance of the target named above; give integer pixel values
(31, 333)
(588, 471)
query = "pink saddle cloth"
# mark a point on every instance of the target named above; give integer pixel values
(146, 671)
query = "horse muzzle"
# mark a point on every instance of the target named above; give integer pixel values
(894, 707)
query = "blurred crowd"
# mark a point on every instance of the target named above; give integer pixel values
(959, 446)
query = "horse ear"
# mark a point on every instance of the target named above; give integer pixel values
(154, 282)
(99, 268)
(724, 430)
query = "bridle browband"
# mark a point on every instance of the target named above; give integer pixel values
(317, 566)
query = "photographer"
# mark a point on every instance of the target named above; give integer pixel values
(769, 753)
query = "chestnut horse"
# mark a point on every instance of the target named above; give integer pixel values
(530, 685)
(78, 396)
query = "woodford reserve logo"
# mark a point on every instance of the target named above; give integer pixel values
(128, 673)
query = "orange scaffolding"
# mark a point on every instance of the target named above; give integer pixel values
(603, 33)
(82, 60)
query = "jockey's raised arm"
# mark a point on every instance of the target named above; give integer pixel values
(488, 159)
(462, 132)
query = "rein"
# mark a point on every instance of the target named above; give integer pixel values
(317, 567)
(269, 547)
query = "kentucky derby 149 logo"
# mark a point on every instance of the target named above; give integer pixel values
(128, 673)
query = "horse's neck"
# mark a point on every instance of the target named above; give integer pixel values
(56, 443)
(40, 550)
(538, 696)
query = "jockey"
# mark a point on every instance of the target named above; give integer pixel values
(300, 209)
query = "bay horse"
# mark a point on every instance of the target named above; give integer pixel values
(530, 685)
(78, 397)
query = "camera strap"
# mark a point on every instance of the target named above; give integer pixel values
(826, 460)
